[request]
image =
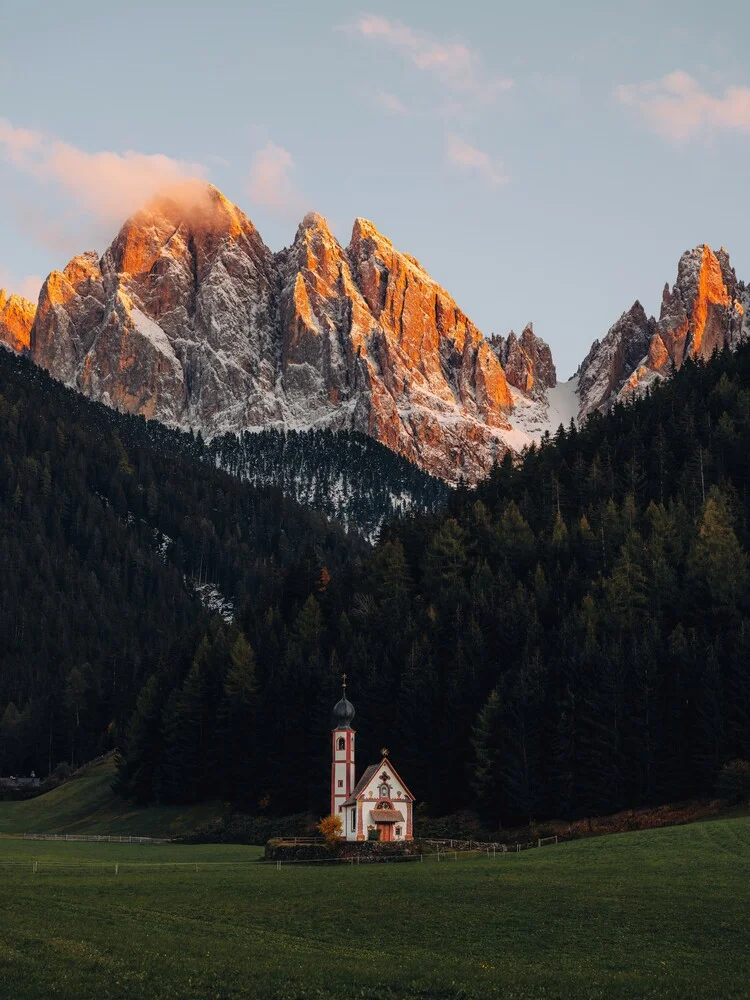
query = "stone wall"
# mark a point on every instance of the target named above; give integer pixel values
(364, 850)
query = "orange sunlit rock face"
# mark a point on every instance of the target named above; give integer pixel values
(527, 362)
(367, 326)
(16, 320)
(189, 318)
(700, 313)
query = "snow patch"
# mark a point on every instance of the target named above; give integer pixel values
(152, 332)
(213, 599)
(532, 418)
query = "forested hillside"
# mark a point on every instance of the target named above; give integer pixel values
(115, 545)
(569, 638)
(345, 475)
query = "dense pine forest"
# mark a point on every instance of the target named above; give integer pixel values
(570, 638)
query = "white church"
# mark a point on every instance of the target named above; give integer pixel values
(379, 800)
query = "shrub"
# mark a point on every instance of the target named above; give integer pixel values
(330, 827)
(62, 771)
(733, 783)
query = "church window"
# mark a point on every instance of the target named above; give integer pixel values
(398, 831)
(341, 782)
(384, 791)
(342, 743)
(354, 820)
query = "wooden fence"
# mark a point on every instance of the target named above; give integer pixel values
(95, 838)
(492, 847)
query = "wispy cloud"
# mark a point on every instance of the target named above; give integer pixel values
(107, 185)
(27, 286)
(678, 107)
(467, 157)
(457, 67)
(389, 102)
(271, 182)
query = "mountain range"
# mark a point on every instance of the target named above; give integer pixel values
(189, 318)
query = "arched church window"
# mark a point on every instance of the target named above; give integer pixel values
(383, 805)
(342, 743)
(354, 820)
(384, 791)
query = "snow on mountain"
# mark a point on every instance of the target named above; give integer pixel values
(190, 319)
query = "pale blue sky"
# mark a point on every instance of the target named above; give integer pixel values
(544, 161)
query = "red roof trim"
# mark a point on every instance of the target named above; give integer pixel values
(358, 792)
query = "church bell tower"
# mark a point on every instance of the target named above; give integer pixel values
(342, 756)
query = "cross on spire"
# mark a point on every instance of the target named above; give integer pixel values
(385, 751)
(343, 681)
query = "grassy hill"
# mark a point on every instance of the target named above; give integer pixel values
(659, 914)
(87, 804)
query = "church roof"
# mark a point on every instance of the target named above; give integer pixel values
(367, 777)
(386, 816)
(363, 782)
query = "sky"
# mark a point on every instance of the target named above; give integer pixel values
(544, 162)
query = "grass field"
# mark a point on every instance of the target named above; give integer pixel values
(663, 913)
(86, 804)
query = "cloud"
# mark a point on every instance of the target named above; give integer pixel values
(678, 107)
(389, 102)
(457, 67)
(270, 181)
(28, 286)
(109, 186)
(466, 157)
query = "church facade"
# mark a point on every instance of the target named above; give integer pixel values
(379, 801)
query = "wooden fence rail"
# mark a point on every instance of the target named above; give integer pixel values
(493, 846)
(95, 838)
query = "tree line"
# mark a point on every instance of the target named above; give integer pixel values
(569, 638)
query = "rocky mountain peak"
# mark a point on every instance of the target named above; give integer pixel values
(527, 362)
(702, 311)
(16, 320)
(189, 318)
(697, 313)
(611, 361)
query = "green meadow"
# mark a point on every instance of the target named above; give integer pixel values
(663, 913)
(86, 804)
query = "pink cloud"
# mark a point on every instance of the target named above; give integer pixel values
(455, 65)
(28, 286)
(270, 181)
(109, 186)
(467, 157)
(389, 102)
(678, 107)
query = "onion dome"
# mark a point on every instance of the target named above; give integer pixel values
(343, 711)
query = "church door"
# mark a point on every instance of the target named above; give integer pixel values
(386, 831)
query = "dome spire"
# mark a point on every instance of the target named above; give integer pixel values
(343, 710)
